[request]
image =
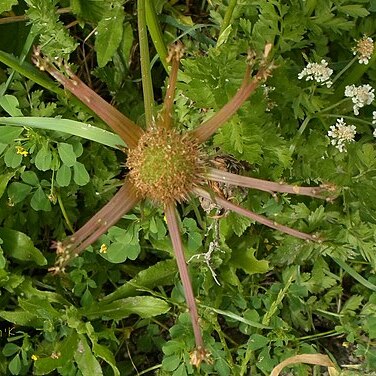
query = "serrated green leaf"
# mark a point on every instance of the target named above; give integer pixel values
(6, 5)
(17, 192)
(352, 304)
(43, 159)
(109, 35)
(353, 10)
(22, 318)
(39, 201)
(63, 176)
(66, 153)
(80, 174)
(40, 307)
(246, 260)
(19, 246)
(86, 361)
(144, 306)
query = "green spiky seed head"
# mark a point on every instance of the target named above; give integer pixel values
(165, 166)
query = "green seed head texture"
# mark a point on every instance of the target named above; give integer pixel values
(165, 166)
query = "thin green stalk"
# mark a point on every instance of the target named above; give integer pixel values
(25, 50)
(227, 18)
(145, 64)
(299, 133)
(334, 105)
(349, 118)
(64, 212)
(329, 333)
(348, 65)
(149, 369)
(352, 77)
(156, 32)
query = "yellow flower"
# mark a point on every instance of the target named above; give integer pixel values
(103, 248)
(20, 150)
(34, 357)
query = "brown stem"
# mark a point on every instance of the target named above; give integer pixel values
(209, 127)
(166, 117)
(256, 217)
(123, 201)
(129, 131)
(262, 185)
(173, 228)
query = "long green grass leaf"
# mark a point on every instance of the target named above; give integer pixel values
(71, 127)
(347, 268)
(236, 317)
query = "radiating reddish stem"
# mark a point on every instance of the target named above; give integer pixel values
(129, 131)
(123, 201)
(256, 217)
(173, 228)
(262, 185)
(209, 127)
(170, 95)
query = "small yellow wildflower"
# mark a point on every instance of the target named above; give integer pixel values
(21, 150)
(103, 248)
(34, 357)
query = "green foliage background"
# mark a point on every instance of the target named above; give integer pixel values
(123, 312)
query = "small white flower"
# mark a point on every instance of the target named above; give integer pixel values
(360, 96)
(318, 72)
(364, 49)
(374, 133)
(341, 134)
(374, 117)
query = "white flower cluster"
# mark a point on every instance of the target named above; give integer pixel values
(360, 96)
(341, 134)
(374, 122)
(364, 49)
(318, 72)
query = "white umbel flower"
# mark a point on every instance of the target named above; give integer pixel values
(341, 134)
(360, 96)
(318, 72)
(364, 49)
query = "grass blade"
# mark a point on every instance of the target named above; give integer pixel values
(72, 127)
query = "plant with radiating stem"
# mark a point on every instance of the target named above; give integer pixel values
(167, 167)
